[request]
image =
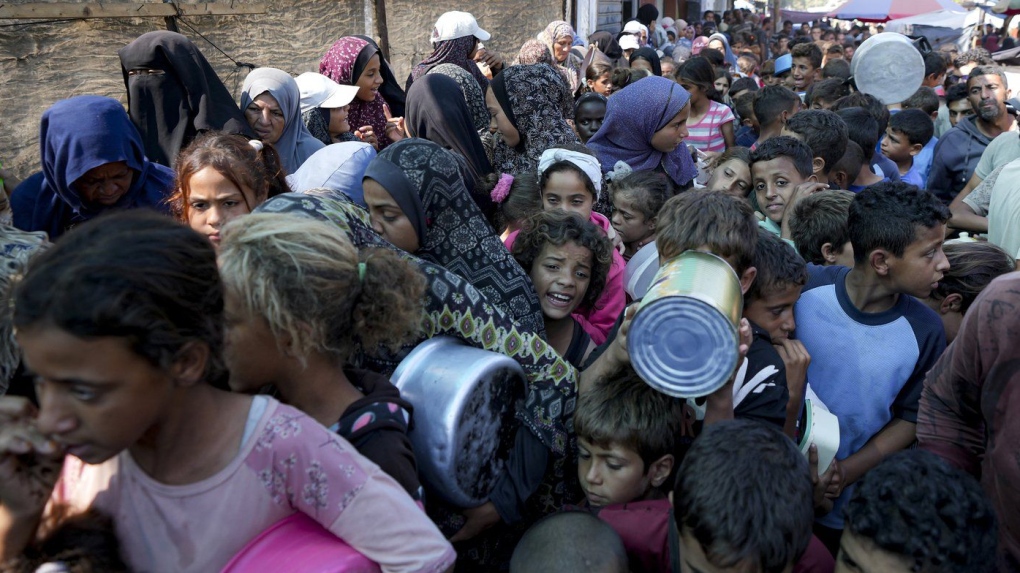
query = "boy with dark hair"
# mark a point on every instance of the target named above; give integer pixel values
(908, 132)
(938, 521)
(844, 174)
(958, 104)
(807, 64)
(824, 132)
(747, 133)
(926, 100)
(825, 93)
(871, 341)
(862, 129)
(836, 70)
(879, 164)
(570, 542)
(742, 86)
(626, 440)
(773, 106)
(819, 229)
(934, 70)
(742, 501)
(778, 167)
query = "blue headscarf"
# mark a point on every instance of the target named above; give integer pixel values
(633, 115)
(75, 136)
(730, 58)
(339, 167)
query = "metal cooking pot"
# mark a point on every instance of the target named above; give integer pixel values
(464, 402)
(888, 66)
(683, 340)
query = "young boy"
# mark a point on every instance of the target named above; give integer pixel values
(907, 134)
(569, 542)
(773, 105)
(862, 129)
(844, 174)
(939, 522)
(825, 133)
(825, 93)
(807, 64)
(747, 133)
(871, 341)
(819, 231)
(778, 166)
(626, 433)
(926, 100)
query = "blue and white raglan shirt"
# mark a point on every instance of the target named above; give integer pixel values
(868, 368)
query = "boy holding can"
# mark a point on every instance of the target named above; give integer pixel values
(870, 340)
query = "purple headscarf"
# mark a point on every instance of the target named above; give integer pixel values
(633, 116)
(454, 51)
(344, 63)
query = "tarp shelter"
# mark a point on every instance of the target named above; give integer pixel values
(885, 10)
(799, 17)
(940, 28)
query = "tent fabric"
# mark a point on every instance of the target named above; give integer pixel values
(885, 10)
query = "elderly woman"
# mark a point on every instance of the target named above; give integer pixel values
(271, 101)
(558, 36)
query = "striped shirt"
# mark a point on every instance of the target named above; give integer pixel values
(706, 135)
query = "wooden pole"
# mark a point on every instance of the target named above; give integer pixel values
(383, 29)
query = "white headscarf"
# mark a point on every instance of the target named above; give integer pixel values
(586, 163)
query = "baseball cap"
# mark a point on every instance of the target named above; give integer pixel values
(453, 25)
(319, 91)
(783, 64)
(629, 42)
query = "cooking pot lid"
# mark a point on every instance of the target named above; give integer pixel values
(888, 66)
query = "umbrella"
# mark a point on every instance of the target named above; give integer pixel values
(884, 10)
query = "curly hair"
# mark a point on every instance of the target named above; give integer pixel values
(558, 228)
(971, 267)
(779, 267)
(917, 506)
(302, 277)
(258, 174)
(648, 190)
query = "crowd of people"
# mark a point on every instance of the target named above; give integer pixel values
(208, 301)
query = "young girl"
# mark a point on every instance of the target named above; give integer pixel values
(731, 172)
(645, 130)
(711, 122)
(516, 199)
(972, 266)
(299, 296)
(271, 101)
(221, 177)
(637, 199)
(571, 181)
(646, 59)
(722, 84)
(568, 259)
(597, 78)
(589, 112)
(123, 328)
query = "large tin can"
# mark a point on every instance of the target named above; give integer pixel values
(683, 340)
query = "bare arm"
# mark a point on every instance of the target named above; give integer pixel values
(728, 135)
(895, 436)
(964, 217)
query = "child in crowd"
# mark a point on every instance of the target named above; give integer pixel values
(516, 199)
(570, 542)
(626, 434)
(862, 129)
(778, 167)
(915, 512)
(298, 298)
(972, 265)
(927, 101)
(897, 231)
(747, 131)
(807, 66)
(879, 163)
(907, 134)
(844, 174)
(825, 93)
(958, 103)
(836, 70)
(221, 177)
(731, 172)
(825, 133)
(567, 259)
(571, 181)
(637, 199)
(589, 111)
(773, 106)
(122, 325)
(711, 122)
(819, 230)
(598, 80)
(742, 86)
(742, 502)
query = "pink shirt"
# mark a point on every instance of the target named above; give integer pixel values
(706, 135)
(289, 464)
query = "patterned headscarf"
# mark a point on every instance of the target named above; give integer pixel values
(473, 95)
(633, 116)
(455, 52)
(534, 52)
(344, 63)
(538, 102)
(425, 180)
(295, 144)
(554, 31)
(16, 248)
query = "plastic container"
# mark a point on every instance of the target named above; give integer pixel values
(298, 544)
(821, 428)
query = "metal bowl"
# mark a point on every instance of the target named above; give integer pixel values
(464, 402)
(888, 66)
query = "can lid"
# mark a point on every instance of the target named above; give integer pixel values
(682, 346)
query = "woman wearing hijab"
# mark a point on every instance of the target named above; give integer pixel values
(419, 203)
(719, 42)
(335, 170)
(607, 44)
(174, 95)
(455, 39)
(558, 36)
(391, 91)
(645, 130)
(646, 59)
(436, 111)
(474, 96)
(353, 61)
(93, 161)
(271, 101)
(530, 106)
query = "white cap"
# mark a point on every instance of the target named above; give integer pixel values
(453, 25)
(629, 42)
(635, 27)
(319, 91)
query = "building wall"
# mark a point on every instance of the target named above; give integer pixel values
(43, 62)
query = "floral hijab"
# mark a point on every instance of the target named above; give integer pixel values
(538, 102)
(456, 52)
(426, 181)
(473, 94)
(344, 63)
(553, 32)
